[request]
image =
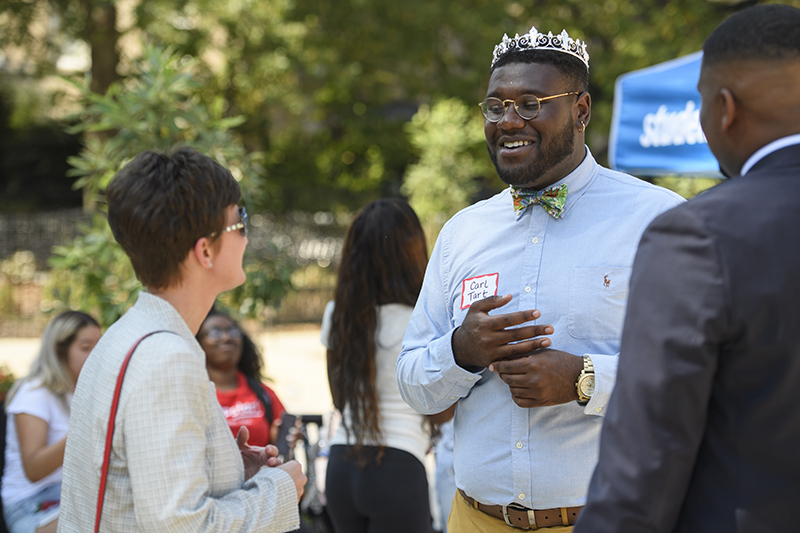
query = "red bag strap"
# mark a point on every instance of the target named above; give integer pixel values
(110, 432)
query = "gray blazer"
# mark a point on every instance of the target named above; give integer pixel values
(175, 465)
(703, 428)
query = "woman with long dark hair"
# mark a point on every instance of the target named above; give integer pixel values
(376, 480)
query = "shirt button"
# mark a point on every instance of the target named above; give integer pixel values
(470, 379)
(519, 445)
(521, 496)
(527, 289)
(598, 409)
(535, 240)
(452, 397)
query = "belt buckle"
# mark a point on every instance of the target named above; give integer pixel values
(518, 507)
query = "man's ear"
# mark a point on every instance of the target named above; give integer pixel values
(729, 109)
(584, 108)
(202, 252)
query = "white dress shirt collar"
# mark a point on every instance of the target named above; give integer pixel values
(764, 151)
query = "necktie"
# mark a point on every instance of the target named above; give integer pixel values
(552, 199)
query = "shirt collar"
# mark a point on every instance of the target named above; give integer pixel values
(577, 181)
(764, 151)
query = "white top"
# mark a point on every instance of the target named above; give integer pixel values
(35, 400)
(401, 426)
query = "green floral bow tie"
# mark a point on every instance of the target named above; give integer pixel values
(552, 199)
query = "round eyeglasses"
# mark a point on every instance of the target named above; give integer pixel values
(216, 333)
(241, 225)
(527, 106)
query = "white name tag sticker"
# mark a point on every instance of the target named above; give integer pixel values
(478, 288)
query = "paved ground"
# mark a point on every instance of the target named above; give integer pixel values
(294, 361)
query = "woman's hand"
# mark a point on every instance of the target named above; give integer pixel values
(255, 457)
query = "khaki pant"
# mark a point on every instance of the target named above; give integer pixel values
(466, 519)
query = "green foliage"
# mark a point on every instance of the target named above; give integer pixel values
(327, 86)
(451, 144)
(688, 188)
(268, 280)
(92, 274)
(159, 106)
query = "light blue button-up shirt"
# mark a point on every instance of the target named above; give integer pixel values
(575, 270)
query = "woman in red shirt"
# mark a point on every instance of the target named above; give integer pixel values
(234, 365)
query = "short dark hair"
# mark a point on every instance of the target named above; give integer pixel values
(759, 32)
(160, 204)
(573, 68)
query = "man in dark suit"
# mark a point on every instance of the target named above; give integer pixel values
(703, 428)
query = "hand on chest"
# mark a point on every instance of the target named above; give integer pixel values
(584, 302)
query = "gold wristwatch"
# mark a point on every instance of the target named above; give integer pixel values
(585, 383)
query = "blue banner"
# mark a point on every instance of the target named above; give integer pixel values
(655, 127)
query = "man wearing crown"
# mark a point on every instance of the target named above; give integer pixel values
(703, 427)
(520, 314)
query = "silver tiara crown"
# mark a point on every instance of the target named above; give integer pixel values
(533, 40)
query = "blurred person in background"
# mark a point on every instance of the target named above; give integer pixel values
(376, 480)
(234, 366)
(38, 409)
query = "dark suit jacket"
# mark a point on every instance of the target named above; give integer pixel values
(703, 428)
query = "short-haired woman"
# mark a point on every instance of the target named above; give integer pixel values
(38, 408)
(174, 465)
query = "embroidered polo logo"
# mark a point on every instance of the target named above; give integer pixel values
(606, 281)
(478, 288)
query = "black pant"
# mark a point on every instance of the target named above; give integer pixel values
(390, 497)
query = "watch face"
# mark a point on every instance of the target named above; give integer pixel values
(587, 386)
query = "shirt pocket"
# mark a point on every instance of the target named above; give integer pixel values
(597, 299)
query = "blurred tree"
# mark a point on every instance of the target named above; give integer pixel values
(368, 65)
(32, 152)
(327, 86)
(157, 107)
(452, 162)
(44, 27)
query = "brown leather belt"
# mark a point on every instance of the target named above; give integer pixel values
(521, 517)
